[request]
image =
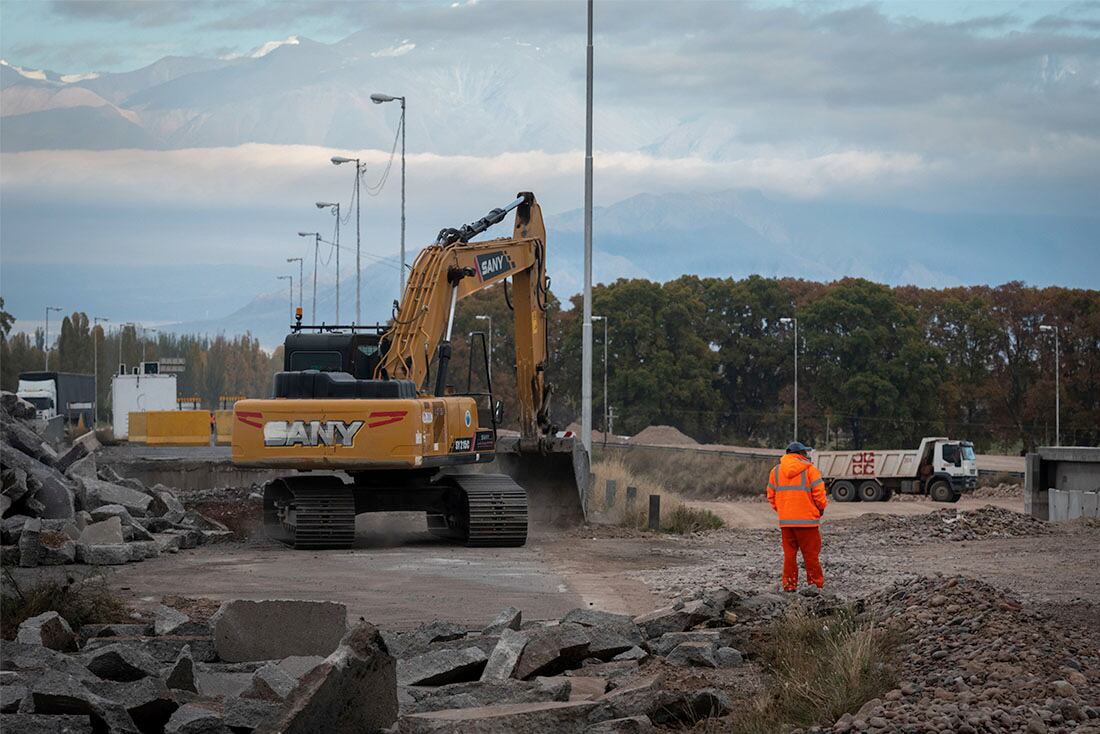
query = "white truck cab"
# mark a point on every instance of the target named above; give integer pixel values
(42, 394)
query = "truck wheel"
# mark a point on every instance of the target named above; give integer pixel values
(941, 492)
(870, 491)
(887, 493)
(956, 496)
(844, 491)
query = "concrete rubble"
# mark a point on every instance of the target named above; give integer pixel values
(59, 507)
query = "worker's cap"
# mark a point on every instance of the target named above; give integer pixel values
(798, 448)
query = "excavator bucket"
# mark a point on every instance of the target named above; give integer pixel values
(554, 471)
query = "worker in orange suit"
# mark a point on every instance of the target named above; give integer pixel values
(796, 492)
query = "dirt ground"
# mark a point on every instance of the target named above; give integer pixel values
(398, 576)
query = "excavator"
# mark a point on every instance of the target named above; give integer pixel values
(360, 425)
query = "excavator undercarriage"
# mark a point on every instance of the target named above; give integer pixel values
(358, 417)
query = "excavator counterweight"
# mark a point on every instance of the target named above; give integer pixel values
(356, 414)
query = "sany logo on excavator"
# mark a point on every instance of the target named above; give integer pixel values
(316, 433)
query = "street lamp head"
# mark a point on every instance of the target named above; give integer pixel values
(307, 234)
(380, 98)
(338, 159)
(1046, 327)
(598, 318)
(293, 259)
(482, 317)
(323, 204)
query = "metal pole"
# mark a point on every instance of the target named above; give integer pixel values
(1057, 389)
(46, 343)
(316, 250)
(605, 380)
(358, 266)
(95, 371)
(490, 349)
(402, 293)
(586, 331)
(796, 379)
(337, 262)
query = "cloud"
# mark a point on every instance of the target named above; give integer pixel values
(149, 14)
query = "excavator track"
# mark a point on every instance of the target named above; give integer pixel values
(310, 512)
(483, 511)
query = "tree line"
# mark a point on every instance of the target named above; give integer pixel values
(878, 366)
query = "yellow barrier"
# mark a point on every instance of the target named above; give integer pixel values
(224, 419)
(136, 428)
(177, 428)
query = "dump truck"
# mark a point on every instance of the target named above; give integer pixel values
(365, 418)
(940, 468)
(65, 394)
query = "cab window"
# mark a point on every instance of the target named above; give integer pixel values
(321, 361)
(950, 453)
(968, 452)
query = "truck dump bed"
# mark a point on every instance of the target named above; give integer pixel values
(888, 464)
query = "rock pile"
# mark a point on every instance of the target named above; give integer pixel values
(63, 508)
(975, 659)
(947, 524)
(172, 676)
(1000, 490)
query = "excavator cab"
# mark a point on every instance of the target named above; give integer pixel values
(359, 401)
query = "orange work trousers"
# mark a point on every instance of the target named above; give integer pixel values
(807, 540)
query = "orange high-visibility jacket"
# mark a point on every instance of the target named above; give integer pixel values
(796, 492)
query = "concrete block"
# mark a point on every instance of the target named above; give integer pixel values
(584, 688)
(98, 493)
(30, 549)
(107, 531)
(42, 724)
(683, 709)
(84, 468)
(296, 666)
(353, 691)
(694, 655)
(505, 656)
(483, 693)
(269, 683)
(1090, 504)
(56, 549)
(10, 697)
(49, 630)
(510, 618)
(674, 619)
(438, 667)
(181, 674)
(191, 718)
(553, 650)
(148, 701)
(121, 662)
(515, 718)
(168, 620)
(729, 657)
(104, 555)
(273, 629)
(626, 725)
(55, 692)
(249, 713)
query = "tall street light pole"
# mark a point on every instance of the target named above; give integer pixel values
(316, 248)
(586, 331)
(380, 99)
(291, 300)
(360, 169)
(795, 323)
(606, 419)
(121, 330)
(300, 278)
(1057, 384)
(143, 340)
(95, 367)
(46, 342)
(484, 317)
(335, 207)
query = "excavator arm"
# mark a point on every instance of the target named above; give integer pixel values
(452, 269)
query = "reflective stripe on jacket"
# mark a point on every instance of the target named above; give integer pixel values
(796, 492)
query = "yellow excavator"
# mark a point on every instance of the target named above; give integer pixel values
(358, 418)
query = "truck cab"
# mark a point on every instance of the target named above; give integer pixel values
(955, 461)
(42, 394)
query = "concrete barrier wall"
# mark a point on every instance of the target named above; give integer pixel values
(224, 420)
(1070, 504)
(136, 431)
(177, 428)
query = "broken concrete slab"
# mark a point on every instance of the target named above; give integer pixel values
(217, 682)
(729, 657)
(148, 701)
(192, 718)
(484, 693)
(674, 618)
(553, 650)
(10, 697)
(678, 708)
(56, 549)
(634, 653)
(509, 619)
(104, 555)
(597, 618)
(165, 504)
(164, 650)
(667, 642)
(249, 714)
(120, 662)
(13, 484)
(693, 654)
(49, 630)
(104, 531)
(105, 512)
(420, 640)
(181, 674)
(272, 629)
(84, 468)
(297, 666)
(636, 698)
(581, 687)
(269, 683)
(94, 631)
(42, 724)
(438, 667)
(55, 692)
(515, 718)
(353, 691)
(626, 725)
(11, 528)
(505, 656)
(16, 406)
(97, 493)
(30, 548)
(168, 620)
(35, 659)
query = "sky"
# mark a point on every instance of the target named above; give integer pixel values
(954, 109)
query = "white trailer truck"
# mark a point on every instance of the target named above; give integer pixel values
(940, 468)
